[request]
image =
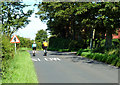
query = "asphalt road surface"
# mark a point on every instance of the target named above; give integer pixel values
(66, 67)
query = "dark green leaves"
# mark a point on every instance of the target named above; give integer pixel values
(13, 17)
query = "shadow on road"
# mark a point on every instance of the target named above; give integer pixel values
(84, 60)
(74, 58)
(63, 53)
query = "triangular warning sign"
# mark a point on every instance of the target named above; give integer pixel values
(15, 39)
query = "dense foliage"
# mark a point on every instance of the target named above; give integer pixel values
(7, 53)
(24, 42)
(74, 20)
(13, 17)
(41, 36)
(83, 25)
(111, 56)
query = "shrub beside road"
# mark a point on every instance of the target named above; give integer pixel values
(102, 54)
(20, 69)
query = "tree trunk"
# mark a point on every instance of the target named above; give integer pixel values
(108, 42)
(96, 43)
(99, 42)
(91, 43)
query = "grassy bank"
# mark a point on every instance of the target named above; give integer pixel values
(20, 69)
(109, 57)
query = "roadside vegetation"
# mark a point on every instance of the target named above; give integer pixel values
(27, 43)
(111, 56)
(16, 67)
(20, 69)
(84, 27)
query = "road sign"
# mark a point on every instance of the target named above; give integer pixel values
(15, 39)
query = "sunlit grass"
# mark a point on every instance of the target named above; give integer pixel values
(21, 69)
(25, 48)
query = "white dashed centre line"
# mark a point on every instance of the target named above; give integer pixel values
(34, 59)
(39, 59)
(46, 59)
(52, 59)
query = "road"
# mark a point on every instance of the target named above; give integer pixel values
(66, 67)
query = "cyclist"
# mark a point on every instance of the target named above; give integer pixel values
(44, 46)
(34, 45)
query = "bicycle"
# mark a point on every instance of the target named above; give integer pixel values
(33, 52)
(45, 52)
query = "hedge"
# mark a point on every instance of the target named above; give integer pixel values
(60, 43)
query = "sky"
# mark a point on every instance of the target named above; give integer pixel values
(34, 26)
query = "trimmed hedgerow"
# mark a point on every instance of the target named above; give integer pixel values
(61, 43)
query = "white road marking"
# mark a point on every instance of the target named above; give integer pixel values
(46, 59)
(39, 59)
(58, 59)
(52, 59)
(34, 59)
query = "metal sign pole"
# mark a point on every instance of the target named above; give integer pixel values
(15, 40)
(15, 47)
(15, 43)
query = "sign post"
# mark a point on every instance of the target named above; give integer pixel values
(15, 47)
(15, 40)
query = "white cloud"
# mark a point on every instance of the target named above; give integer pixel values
(32, 28)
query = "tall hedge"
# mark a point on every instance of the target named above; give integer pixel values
(24, 42)
(7, 53)
(60, 43)
(7, 47)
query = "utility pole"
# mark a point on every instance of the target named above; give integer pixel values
(15, 43)
(93, 36)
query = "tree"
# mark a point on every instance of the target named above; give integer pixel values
(57, 14)
(13, 17)
(74, 19)
(41, 36)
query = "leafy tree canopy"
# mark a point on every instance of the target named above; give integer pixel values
(41, 36)
(13, 17)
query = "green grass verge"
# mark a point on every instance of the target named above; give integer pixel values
(21, 69)
(108, 58)
(24, 48)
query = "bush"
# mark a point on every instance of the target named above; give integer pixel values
(7, 48)
(85, 54)
(98, 56)
(63, 50)
(110, 58)
(118, 63)
(115, 42)
(99, 50)
(75, 45)
(52, 49)
(39, 45)
(114, 62)
(104, 58)
(86, 50)
(79, 52)
(7, 53)
(24, 42)
(60, 43)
